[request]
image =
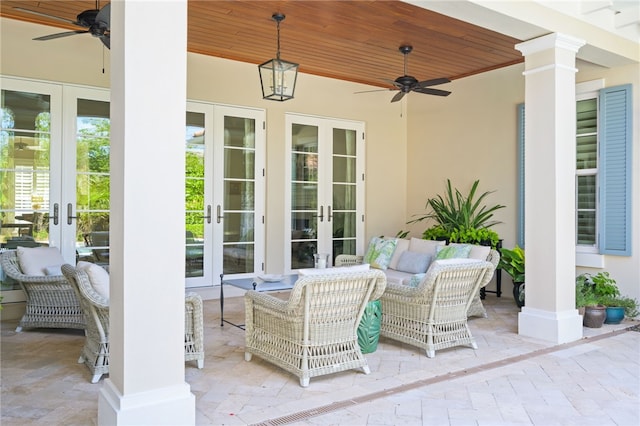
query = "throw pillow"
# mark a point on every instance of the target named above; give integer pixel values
(477, 251)
(425, 246)
(34, 260)
(380, 251)
(413, 262)
(333, 271)
(53, 270)
(414, 281)
(401, 247)
(98, 277)
(453, 251)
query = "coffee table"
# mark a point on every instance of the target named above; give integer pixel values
(255, 283)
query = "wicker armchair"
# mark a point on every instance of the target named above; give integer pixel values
(314, 332)
(95, 353)
(50, 301)
(433, 315)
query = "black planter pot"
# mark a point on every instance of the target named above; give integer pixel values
(518, 294)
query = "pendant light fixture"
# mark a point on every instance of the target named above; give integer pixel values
(278, 77)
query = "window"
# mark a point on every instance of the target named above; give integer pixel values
(603, 171)
(586, 172)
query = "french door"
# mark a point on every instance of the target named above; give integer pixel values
(325, 192)
(225, 187)
(54, 169)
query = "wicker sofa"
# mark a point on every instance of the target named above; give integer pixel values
(315, 331)
(95, 353)
(51, 302)
(396, 276)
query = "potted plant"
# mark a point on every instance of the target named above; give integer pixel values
(461, 218)
(600, 296)
(512, 262)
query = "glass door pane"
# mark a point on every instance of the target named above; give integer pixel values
(25, 141)
(304, 195)
(92, 181)
(239, 195)
(344, 190)
(194, 194)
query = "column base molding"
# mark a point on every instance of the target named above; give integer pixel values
(556, 327)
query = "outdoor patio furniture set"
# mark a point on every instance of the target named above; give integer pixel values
(312, 333)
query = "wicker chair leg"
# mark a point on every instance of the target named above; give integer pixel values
(81, 360)
(304, 381)
(247, 356)
(365, 369)
(96, 378)
(431, 353)
(19, 329)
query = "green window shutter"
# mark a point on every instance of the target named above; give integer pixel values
(614, 170)
(520, 230)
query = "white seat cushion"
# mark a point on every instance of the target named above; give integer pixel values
(333, 271)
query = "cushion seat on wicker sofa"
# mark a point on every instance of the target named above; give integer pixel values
(95, 303)
(401, 265)
(51, 302)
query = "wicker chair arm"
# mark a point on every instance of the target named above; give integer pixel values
(85, 287)
(266, 300)
(347, 260)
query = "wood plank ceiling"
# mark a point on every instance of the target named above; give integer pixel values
(356, 41)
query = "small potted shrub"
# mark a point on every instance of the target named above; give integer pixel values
(512, 262)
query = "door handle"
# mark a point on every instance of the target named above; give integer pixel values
(208, 216)
(329, 215)
(218, 215)
(321, 215)
(55, 214)
(70, 215)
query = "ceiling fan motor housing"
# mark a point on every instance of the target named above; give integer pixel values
(87, 18)
(406, 82)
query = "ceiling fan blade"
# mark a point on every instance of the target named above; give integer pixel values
(104, 15)
(398, 96)
(428, 91)
(106, 40)
(433, 82)
(392, 82)
(375, 90)
(68, 21)
(59, 35)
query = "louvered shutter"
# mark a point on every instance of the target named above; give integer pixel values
(615, 171)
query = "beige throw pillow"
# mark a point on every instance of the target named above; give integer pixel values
(37, 260)
(98, 277)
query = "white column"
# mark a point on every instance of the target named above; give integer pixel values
(146, 383)
(550, 162)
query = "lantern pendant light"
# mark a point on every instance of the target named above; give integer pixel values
(278, 77)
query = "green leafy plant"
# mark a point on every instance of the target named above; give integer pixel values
(474, 236)
(630, 305)
(460, 218)
(512, 262)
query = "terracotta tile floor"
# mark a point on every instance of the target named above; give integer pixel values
(508, 380)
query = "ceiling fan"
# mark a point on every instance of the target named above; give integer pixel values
(408, 83)
(96, 21)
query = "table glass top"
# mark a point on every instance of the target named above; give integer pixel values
(259, 284)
